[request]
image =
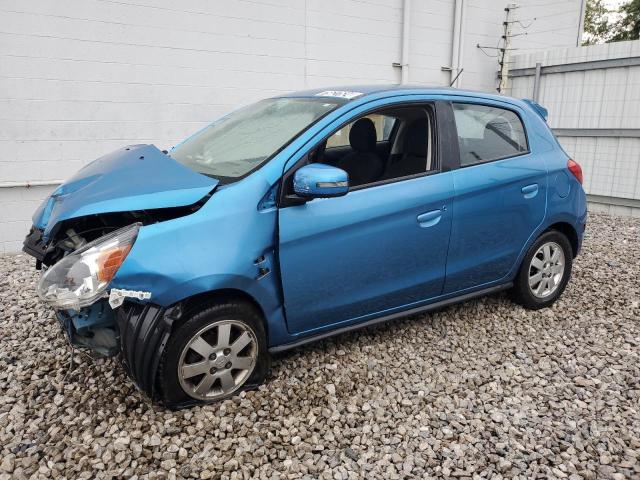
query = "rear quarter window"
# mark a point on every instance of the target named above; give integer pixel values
(487, 133)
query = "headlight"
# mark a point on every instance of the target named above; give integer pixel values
(82, 277)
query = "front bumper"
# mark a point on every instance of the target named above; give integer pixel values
(136, 331)
(92, 328)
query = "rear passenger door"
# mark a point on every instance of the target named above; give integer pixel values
(500, 195)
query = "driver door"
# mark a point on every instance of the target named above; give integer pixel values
(381, 247)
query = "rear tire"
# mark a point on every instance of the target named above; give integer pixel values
(216, 353)
(544, 272)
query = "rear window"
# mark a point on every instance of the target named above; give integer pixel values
(488, 133)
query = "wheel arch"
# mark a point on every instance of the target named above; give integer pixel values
(561, 223)
(145, 329)
(568, 231)
(187, 306)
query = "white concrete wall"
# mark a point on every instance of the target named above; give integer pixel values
(80, 78)
(594, 99)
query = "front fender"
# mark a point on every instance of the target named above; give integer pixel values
(228, 243)
(166, 291)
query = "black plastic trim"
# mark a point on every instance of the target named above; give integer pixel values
(144, 331)
(34, 245)
(386, 318)
(448, 147)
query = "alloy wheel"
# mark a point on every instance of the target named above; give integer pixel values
(546, 270)
(217, 360)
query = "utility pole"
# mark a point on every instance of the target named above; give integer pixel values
(504, 62)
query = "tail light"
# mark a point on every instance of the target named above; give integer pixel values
(576, 169)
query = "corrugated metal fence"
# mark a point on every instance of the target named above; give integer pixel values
(593, 97)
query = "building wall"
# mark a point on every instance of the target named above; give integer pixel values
(596, 115)
(80, 78)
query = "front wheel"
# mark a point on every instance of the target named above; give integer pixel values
(545, 271)
(216, 353)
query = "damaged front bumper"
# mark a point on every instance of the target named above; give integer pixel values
(78, 285)
(106, 320)
(92, 327)
(137, 332)
(95, 327)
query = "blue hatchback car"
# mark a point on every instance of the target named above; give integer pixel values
(300, 217)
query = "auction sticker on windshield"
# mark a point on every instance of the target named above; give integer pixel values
(339, 94)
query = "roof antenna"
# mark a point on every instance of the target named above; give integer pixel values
(454, 80)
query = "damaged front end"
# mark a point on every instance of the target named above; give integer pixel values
(91, 322)
(83, 232)
(76, 287)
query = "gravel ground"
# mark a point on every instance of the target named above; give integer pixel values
(483, 389)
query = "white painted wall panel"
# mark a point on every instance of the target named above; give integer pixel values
(605, 98)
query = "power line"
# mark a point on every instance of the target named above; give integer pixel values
(538, 17)
(522, 25)
(552, 30)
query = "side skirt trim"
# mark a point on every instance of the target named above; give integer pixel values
(386, 318)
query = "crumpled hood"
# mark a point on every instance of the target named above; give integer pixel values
(138, 177)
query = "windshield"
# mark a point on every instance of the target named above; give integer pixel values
(240, 142)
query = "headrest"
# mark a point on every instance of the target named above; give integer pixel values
(496, 127)
(362, 135)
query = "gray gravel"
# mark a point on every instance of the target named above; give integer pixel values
(483, 389)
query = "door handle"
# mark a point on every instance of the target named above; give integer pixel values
(429, 219)
(530, 191)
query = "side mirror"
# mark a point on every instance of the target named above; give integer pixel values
(320, 181)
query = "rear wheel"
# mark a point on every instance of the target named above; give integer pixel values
(216, 353)
(545, 271)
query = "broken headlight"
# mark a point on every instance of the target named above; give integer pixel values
(83, 276)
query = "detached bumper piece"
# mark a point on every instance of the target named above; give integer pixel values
(35, 246)
(144, 331)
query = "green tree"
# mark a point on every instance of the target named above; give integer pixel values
(628, 26)
(596, 23)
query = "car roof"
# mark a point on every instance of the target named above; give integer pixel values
(356, 92)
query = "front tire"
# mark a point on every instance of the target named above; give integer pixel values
(544, 272)
(214, 354)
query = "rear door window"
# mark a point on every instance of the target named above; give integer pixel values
(487, 133)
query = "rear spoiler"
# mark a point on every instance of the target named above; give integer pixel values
(539, 109)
